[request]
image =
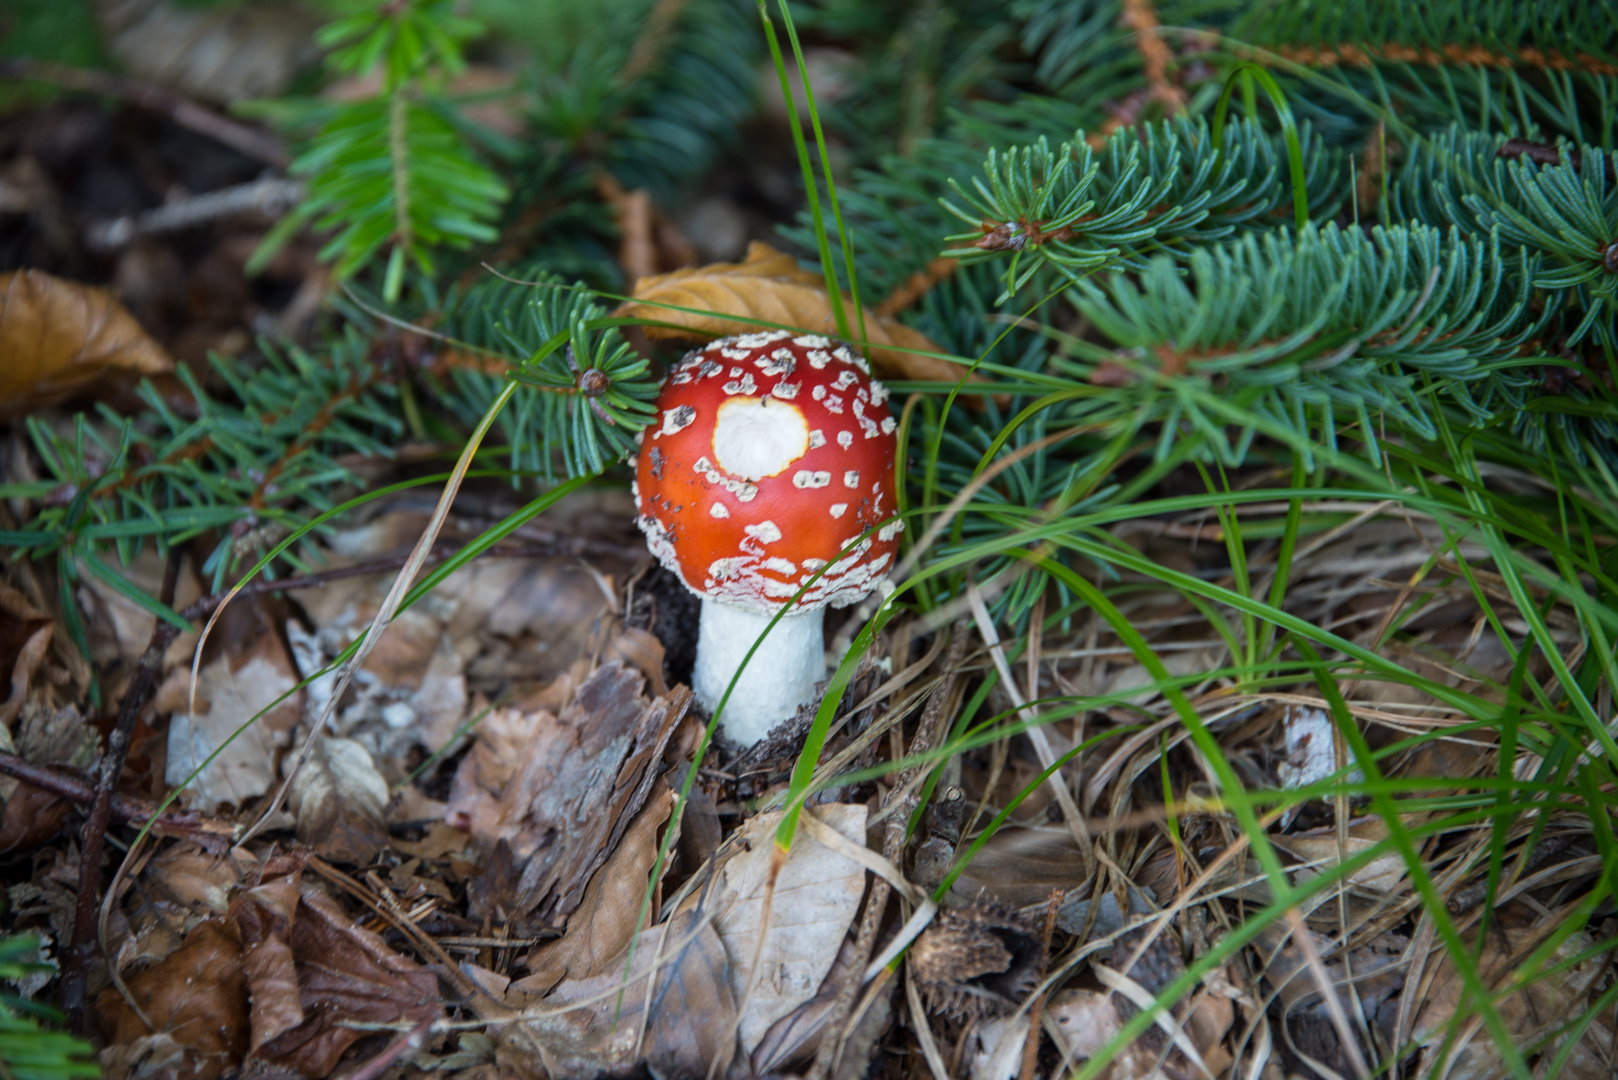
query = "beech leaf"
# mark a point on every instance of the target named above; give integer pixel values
(688, 1031)
(315, 975)
(816, 896)
(770, 286)
(341, 802)
(197, 996)
(59, 336)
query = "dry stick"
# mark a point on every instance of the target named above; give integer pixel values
(75, 789)
(1030, 1049)
(916, 286)
(249, 141)
(269, 196)
(395, 1050)
(75, 974)
(928, 731)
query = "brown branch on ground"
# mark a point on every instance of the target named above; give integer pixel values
(1139, 17)
(249, 141)
(637, 251)
(72, 786)
(648, 241)
(406, 1043)
(1546, 154)
(93, 839)
(1030, 1049)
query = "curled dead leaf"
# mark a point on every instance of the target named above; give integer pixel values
(197, 879)
(688, 1029)
(59, 336)
(770, 286)
(341, 802)
(264, 916)
(817, 894)
(315, 975)
(196, 997)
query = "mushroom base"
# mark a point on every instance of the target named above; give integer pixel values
(780, 677)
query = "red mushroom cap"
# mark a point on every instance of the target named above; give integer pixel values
(770, 454)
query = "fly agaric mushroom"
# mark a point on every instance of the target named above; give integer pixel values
(771, 455)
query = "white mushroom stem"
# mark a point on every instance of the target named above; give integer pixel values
(781, 675)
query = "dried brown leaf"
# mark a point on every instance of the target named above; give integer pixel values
(342, 974)
(1321, 846)
(692, 1016)
(197, 996)
(190, 876)
(1088, 1020)
(28, 660)
(252, 671)
(441, 840)
(816, 897)
(32, 816)
(59, 336)
(1021, 866)
(1528, 1013)
(608, 917)
(264, 916)
(341, 802)
(771, 287)
(793, 1039)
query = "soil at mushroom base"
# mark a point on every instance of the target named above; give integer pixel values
(771, 458)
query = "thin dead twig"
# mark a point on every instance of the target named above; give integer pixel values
(249, 141)
(74, 788)
(1036, 1010)
(916, 286)
(397, 1049)
(148, 671)
(269, 196)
